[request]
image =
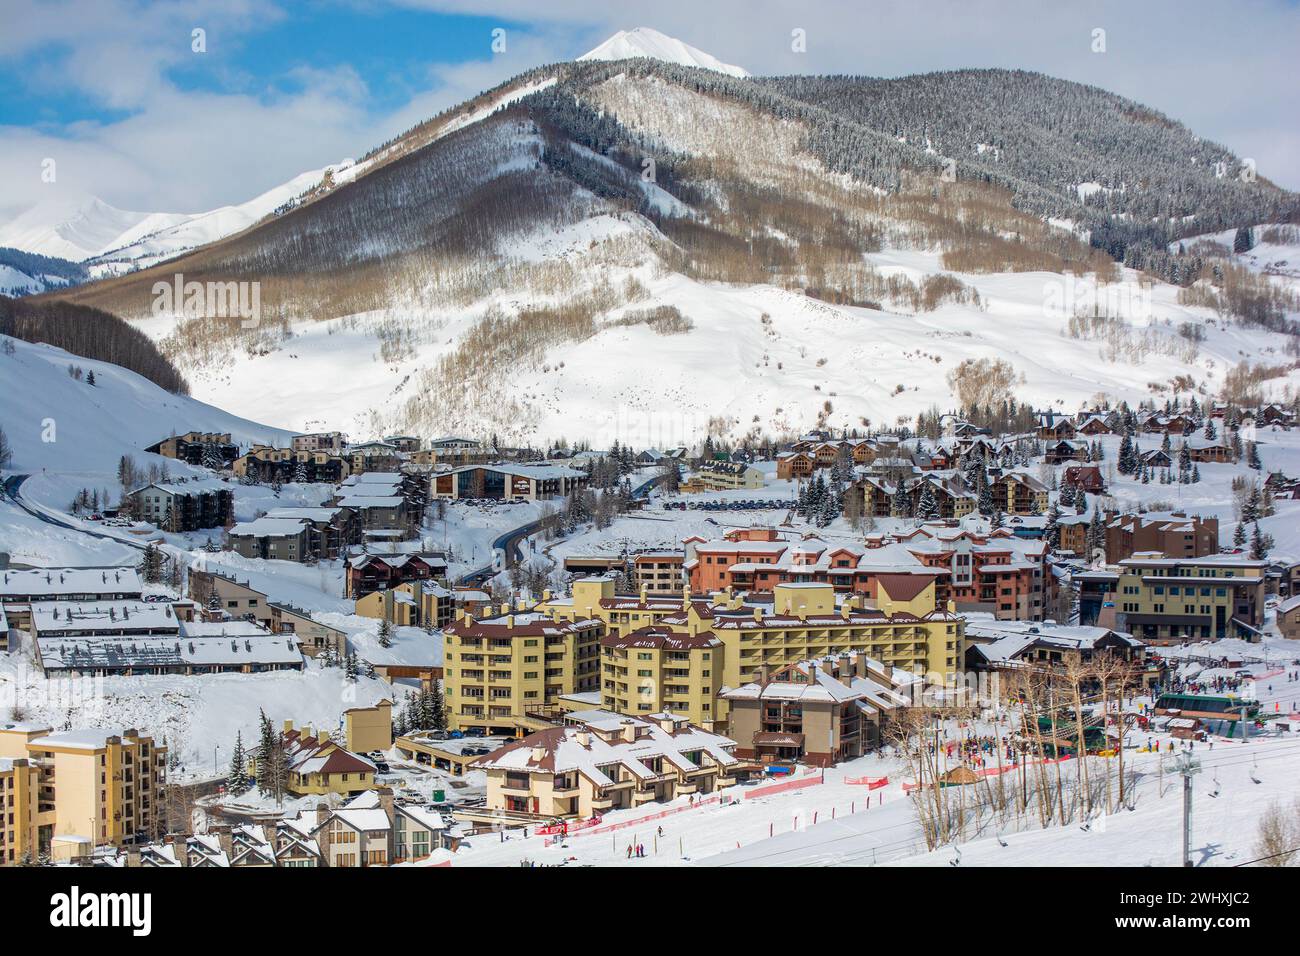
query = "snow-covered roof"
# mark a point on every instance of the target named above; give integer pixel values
(49, 582)
(268, 527)
(596, 740)
(119, 652)
(107, 617)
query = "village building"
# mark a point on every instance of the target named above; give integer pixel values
(422, 603)
(320, 765)
(69, 791)
(233, 598)
(724, 476)
(597, 761)
(1175, 534)
(504, 672)
(657, 668)
(20, 590)
(268, 464)
(1017, 493)
(184, 504)
(819, 711)
(658, 572)
(1011, 645)
(367, 572)
(313, 638)
(1170, 600)
(331, 443)
(530, 482)
(126, 639)
(213, 449)
(1288, 618)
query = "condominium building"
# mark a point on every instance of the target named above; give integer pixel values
(184, 504)
(599, 761)
(902, 626)
(1168, 600)
(77, 789)
(657, 668)
(506, 671)
(659, 572)
(412, 604)
(818, 711)
(21, 590)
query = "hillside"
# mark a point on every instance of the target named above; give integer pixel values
(68, 433)
(782, 251)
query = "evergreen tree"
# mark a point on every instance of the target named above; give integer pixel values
(385, 633)
(1239, 535)
(350, 668)
(927, 508)
(237, 781)
(1243, 241)
(1260, 544)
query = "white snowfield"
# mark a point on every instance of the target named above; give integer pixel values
(645, 42)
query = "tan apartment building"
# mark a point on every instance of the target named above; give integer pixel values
(658, 668)
(1169, 600)
(505, 672)
(792, 623)
(598, 761)
(234, 598)
(92, 787)
(411, 604)
(658, 572)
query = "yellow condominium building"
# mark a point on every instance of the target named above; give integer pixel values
(598, 761)
(505, 674)
(78, 789)
(792, 623)
(657, 668)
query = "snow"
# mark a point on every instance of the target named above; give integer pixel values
(118, 240)
(58, 424)
(195, 714)
(645, 42)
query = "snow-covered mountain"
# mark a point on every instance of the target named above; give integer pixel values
(112, 241)
(645, 42)
(647, 251)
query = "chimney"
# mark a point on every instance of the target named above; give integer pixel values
(810, 675)
(538, 755)
(845, 667)
(583, 738)
(288, 726)
(385, 795)
(645, 591)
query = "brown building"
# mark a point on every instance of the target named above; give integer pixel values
(818, 711)
(1171, 533)
(213, 449)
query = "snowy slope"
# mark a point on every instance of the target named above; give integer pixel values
(68, 434)
(645, 42)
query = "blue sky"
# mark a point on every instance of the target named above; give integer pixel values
(111, 90)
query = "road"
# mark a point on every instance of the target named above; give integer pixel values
(511, 541)
(12, 486)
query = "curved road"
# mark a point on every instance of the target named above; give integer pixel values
(512, 540)
(12, 486)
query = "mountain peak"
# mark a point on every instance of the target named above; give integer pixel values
(645, 42)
